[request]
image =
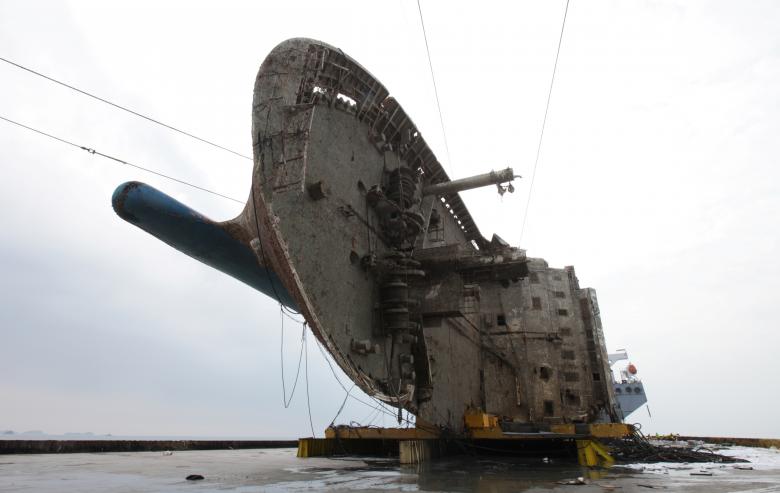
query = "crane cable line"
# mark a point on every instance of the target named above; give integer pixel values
(433, 78)
(544, 122)
(123, 108)
(285, 400)
(121, 161)
(306, 369)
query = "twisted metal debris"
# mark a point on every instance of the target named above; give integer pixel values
(638, 449)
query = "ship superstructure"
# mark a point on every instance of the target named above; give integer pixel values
(628, 387)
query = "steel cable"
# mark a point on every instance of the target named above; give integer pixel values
(123, 108)
(544, 123)
(121, 161)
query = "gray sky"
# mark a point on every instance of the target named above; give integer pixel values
(658, 180)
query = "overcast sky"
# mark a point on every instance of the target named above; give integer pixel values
(658, 181)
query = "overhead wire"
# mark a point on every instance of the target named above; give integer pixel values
(308, 399)
(121, 161)
(372, 416)
(123, 108)
(343, 403)
(435, 89)
(544, 123)
(285, 400)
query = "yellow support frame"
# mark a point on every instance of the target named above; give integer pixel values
(480, 426)
(610, 430)
(592, 453)
(314, 447)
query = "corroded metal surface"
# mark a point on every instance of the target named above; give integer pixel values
(355, 223)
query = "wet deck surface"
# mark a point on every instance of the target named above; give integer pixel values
(278, 470)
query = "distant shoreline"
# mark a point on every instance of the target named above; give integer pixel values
(95, 436)
(43, 446)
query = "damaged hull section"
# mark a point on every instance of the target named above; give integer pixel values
(354, 222)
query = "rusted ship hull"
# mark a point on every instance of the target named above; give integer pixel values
(352, 221)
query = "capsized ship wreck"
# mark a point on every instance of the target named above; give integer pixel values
(353, 222)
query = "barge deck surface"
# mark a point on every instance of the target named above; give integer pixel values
(278, 470)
